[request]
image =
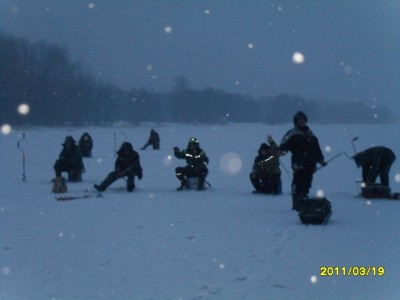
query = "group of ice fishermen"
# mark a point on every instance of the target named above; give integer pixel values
(265, 175)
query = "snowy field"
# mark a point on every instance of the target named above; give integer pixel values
(222, 243)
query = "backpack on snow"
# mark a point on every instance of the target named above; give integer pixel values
(59, 185)
(315, 210)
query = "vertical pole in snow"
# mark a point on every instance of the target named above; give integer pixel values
(23, 155)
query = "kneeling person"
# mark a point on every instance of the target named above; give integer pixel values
(266, 174)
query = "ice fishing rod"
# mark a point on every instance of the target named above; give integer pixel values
(22, 137)
(115, 141)
(352, 143)
(286, 170)
(115, 144)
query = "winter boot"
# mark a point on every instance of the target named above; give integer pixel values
(200, 184)
(296, 201)
(183, 185)
(105, 184)
(99, 188)
(130, 184)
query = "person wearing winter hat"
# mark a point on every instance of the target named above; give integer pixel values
(86, 145)
(266, 174)
(70, 160)
(196, 164)
(154, 140)
(306, 153)
(375, 161)
(127, 165)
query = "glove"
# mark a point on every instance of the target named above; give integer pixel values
(323, 163)
(176, 149)
(140, 176)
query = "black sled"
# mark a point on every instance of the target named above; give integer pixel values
(315, 210)
(378, 191)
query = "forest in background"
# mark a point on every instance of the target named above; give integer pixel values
(63, 92)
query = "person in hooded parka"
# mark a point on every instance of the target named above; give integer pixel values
(266, 174)
(127, 165)
(196, 164)
(86, 144)
(70, 160)
(306, 153)
(154, 140)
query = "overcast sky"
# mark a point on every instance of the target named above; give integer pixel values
(351, 48)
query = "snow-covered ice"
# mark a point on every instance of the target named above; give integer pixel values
(222, 243)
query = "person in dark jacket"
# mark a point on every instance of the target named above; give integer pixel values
(70, 160)
(154, 140)
(127, 165)
(196, 160)
(306, 153)
(266, 174)
(375, 161)
(86, 145)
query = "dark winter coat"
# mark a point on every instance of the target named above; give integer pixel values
(304, 146)
(197, 159)
(154, 140)
(71, 157)
(128, 161)
(267, 165)
(374, 161)
(86, 144)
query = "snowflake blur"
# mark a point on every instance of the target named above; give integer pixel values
(168, 160)
(298, 58)
(168, 29)
(231, 163)
(397, 177)
(6, 129)
(23, 109)
(314, 279)
(320, 193)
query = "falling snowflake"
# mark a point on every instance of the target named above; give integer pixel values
(397, 177)
(6, 271)
(168, 29)
(6, 129)
(23, 109)
(313, 279)
(320, 193)
(168, 160)
(298, 58)
(231, 163)
(250, 46)
(91, 5)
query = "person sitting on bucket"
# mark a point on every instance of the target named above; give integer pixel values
(127, 165)
(70, 160)
(375, 161)
(266, 174)
(196, 160)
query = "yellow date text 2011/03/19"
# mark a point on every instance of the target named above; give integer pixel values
(351, 271)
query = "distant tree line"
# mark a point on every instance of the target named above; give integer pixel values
(61, 92)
